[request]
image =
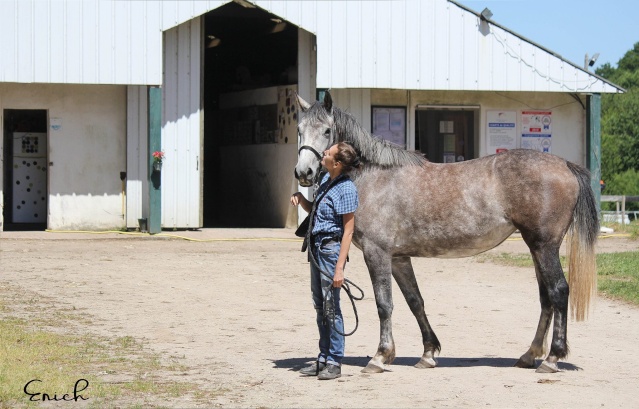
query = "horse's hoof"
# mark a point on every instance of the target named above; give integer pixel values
(372, 368)
(426, 363)
(547, 367)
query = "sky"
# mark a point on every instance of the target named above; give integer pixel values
(570, 28)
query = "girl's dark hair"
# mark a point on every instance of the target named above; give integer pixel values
(347, 156)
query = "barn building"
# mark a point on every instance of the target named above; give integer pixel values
(89, 90)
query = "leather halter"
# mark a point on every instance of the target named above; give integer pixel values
(310, 148)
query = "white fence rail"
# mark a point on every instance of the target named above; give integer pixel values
(620, 215)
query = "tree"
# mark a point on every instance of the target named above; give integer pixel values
(620, 118)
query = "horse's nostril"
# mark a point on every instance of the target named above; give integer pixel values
(309, 172)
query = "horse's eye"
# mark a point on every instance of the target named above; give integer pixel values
(327, 133)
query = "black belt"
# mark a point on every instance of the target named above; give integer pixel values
(326, 239)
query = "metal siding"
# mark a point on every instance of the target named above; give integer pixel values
(457, 49)
(72, 42)
(90, 45)
(153, 52)
(469, 40)
(413, 41)
(40, 46)
(366, 70)
(181, 130)
(441, 47)
(353, 34)
(8, 62)
(497, 60)
(340, 44)
(425, 55)
(397, 45)
(56, 62)
(360, 44)
(105, 41)
(137, 49)
(137, 190)
(24, 51)
(355, 101)
(121, 43)
(383, 44)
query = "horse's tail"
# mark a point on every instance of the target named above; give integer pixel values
(582, 270)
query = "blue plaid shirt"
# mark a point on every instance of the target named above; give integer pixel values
(340, 200)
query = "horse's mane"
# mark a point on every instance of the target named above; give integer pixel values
(372, 149)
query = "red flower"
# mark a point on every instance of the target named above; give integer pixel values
(158, 156)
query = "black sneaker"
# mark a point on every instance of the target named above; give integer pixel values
(314, 369)
(330, 372)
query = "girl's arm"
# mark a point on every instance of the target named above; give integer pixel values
(347, 238)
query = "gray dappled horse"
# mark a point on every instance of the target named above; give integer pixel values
(410, 207)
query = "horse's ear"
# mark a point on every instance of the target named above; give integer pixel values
(304, 106)
(328, 101)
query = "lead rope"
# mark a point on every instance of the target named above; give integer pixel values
(328, 312)
(328, 308)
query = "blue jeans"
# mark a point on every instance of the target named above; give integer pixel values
(331, 343)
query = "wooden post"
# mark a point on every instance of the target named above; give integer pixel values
(593, 144)
(155, 144)
(623, 210)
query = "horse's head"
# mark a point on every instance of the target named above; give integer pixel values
(316, 133)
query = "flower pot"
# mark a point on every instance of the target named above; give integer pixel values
(157, 166)
(143, 225)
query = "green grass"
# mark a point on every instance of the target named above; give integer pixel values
(41, 342)
(631, 229)
(617, 273)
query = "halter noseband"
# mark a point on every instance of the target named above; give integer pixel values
(310, 148)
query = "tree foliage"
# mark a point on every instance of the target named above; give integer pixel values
(624, 183)
(620, 119)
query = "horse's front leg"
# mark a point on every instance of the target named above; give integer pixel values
(379, 268)
(405, 278)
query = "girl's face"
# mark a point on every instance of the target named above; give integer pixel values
(328, 160)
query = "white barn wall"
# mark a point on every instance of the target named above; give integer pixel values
(88, 152)
(75, 42)
(137, 160)
(409, 44)
(568, 115)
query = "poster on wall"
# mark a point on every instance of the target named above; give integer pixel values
(389, 123)
(536, 130)
(502, 131)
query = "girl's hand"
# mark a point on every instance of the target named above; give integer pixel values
(295, 200)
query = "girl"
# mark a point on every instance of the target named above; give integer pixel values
(332, 232)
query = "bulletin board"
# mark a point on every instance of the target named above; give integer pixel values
(389, 123)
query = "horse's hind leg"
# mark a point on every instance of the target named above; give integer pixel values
(553, 294)
(379, 268)
(536, 349)
(405, 278)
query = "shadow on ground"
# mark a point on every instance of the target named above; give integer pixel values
(295, 364)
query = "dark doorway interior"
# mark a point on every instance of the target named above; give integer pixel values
(246, 48)
(445, 135)
(25, 169)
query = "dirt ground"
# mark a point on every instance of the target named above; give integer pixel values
(239, 314)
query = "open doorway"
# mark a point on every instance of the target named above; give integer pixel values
(446, 135)
(250, 119)
(25, 169)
